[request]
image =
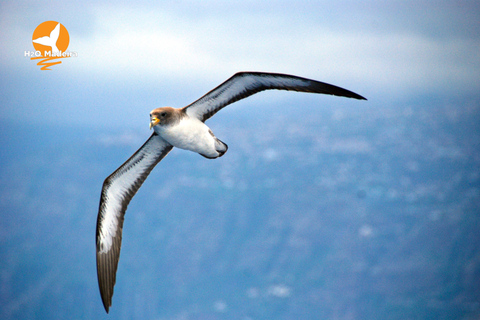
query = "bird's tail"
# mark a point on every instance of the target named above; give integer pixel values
(220, 146)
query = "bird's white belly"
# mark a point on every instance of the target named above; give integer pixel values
(190, 134)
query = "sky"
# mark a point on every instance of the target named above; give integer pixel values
(133, 57)
(136, 56)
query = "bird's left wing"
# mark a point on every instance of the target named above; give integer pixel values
(118, 189)
(244, 84)
(42, 40)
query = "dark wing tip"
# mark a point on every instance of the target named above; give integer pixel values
(106, 279)
(359, 97)
(337, 91)
(107, 306)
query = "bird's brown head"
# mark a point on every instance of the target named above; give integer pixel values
(163, 116)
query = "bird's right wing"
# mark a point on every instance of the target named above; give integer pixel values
(55, 33)
(118, 189)
(244, 84)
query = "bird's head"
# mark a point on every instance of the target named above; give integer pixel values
(161, 116)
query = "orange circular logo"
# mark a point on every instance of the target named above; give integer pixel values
(50, 36)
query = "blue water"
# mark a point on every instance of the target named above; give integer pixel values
(352, 213)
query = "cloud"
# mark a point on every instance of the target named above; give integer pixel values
(381, 50)
(148, 42)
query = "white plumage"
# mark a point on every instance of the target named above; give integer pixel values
(190, 134)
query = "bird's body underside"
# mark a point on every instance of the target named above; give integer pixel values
(193, 135)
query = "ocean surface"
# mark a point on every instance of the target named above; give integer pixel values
(367, 212)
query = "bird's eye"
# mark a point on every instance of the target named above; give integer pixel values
(163, 114)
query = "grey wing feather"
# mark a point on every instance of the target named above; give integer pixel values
(118, 189)
(244, 84)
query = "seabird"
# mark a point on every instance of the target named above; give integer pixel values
(183, 128)
(50, 41)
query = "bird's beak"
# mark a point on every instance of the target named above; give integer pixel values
(153, 122)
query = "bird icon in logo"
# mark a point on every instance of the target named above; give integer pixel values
(50, 41)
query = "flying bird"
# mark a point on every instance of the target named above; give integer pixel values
(183, 128)
(50, 41)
